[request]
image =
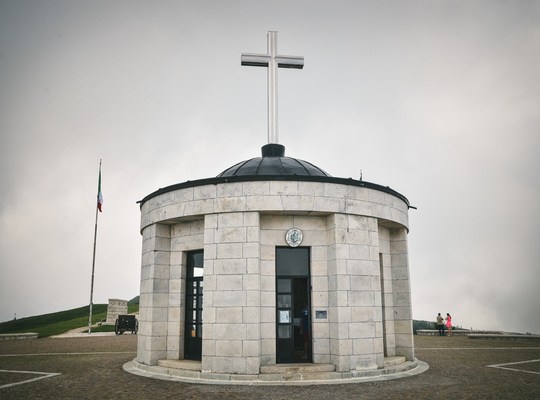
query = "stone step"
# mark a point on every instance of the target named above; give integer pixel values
(391, 361)
(187, 365)
(281, 374)
(297, 368)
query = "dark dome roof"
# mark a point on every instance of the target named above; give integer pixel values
(274, 163)
(273, 166)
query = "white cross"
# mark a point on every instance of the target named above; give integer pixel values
(273, 62)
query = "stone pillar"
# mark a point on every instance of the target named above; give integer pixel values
(272, 227)
(185, 236)
(354, 293)
(319, 300)
(402, 294)
(366, 328)
(387, 294)
(231, 308)
(154, 298)
(339, 315)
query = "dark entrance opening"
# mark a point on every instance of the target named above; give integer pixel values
(194, 306)
(293, 305)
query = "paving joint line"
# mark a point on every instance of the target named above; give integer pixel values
(503, 366)
(45, 375)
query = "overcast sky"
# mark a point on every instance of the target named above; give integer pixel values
(440, 100)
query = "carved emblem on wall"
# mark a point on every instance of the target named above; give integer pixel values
(294, 237)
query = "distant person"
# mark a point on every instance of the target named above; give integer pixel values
(440, 324)
(449, 324)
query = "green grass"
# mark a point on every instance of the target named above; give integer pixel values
(103, 328)
(63, 321)
(423, 325)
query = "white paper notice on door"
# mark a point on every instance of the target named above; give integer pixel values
(284, 316)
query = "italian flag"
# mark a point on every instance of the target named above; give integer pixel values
(99, 194)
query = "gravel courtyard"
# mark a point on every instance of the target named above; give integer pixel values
(91, 368)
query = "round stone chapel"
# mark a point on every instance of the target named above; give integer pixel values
(274, 271)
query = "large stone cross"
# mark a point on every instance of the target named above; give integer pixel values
(273, 62)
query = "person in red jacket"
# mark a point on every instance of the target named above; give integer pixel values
(449, 324)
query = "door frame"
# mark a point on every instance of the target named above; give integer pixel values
(193, 309)
(286, 302)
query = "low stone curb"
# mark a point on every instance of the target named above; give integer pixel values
(82, 335)
(406, 369)
(503, 336)
(19, 336)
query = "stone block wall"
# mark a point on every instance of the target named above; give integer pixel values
(350, 230)
(354, 287)
(387, 294)
(185, 236)
(232, 285)
(273, 229)
(115, 308)
(154, 297)
(402, 293)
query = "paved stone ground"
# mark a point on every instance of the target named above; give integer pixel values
(91, 368)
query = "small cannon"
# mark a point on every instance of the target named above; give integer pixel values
(126, 323)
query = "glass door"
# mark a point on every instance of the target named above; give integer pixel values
(194, 306)
(293, 294)
(284, 321)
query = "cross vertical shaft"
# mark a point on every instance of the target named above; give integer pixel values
(272, 61)
(273, 136)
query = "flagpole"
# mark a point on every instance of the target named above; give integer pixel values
(94, 254)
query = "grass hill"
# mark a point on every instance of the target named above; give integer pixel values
(423, 325)
(63, 321)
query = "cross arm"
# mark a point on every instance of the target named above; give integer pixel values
(296, 62)
(255, 60)
(262, 60)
